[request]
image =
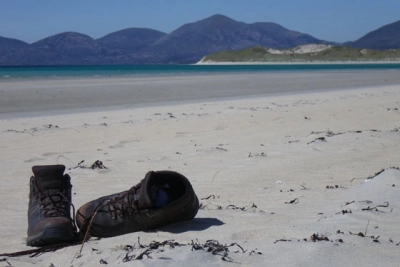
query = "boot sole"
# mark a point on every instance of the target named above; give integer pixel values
(50, 236)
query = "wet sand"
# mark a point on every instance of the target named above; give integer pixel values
(38, 97)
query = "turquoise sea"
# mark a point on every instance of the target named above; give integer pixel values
(56, 72)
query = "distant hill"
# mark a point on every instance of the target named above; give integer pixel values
(192, 41)
(9, 46)
(67, 48)
(187, 44)
(129, 41)
(303, 54)
(9, 43)
(386, 37)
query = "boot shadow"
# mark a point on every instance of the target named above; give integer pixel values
(197, 224)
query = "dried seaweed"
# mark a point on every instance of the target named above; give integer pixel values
(376, 174)
(345, 211)
(141, 256)
(206, 206)
(98, 165)
(95, 165)
(304, 187)
(360, 234)
(212, 246)
(210, 196)
(229, 207)
(294, 201)
(103, 261)
(323, 139)
(262, 154)
(333, 187)
(34, 129)
(328, 133)
(148, 249)
(381, 171)
(317, 237)
(233, 207)
(216, 248)
(255, 252)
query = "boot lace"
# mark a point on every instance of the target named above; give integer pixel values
(124, 205)
(55, 204)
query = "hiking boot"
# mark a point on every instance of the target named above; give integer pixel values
(161, 198)
(49, 215)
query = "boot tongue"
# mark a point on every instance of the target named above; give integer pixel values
(147, 191)
(50, 176)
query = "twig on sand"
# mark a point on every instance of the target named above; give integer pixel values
(5, 260)
(87, 235)
(212, 183)
(384, 205)
(366, 229)
(38, 251)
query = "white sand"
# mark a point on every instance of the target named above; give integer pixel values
(260, 150)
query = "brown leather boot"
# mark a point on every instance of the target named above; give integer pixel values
(49, 215)
(161, 198)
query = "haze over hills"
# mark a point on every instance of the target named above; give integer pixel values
(187, 44)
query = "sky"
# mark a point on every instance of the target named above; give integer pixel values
(337, 21)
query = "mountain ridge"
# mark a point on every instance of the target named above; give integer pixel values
(385, 37)
(185, 45)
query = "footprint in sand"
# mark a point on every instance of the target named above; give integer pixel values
(122, 144)
(33, 159)
(51, 154)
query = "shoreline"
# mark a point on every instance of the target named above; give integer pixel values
(37, 97)
(55, 73)
(366, 62)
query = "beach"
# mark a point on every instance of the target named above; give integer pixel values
(291, 169)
